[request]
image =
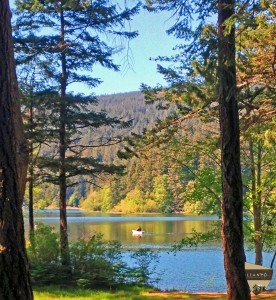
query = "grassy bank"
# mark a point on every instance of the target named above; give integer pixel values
(130, 293)
(122, 294)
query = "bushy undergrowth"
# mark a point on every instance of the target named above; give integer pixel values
(93, 262)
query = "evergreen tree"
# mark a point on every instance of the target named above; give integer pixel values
(66, 39)
(232, 204)
(232, 201)
(256, 90)
(35, 109)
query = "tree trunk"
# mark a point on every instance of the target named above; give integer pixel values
(64, 244)
(15, 280)
(232, 203)
(22, 151)
(31, 197)
(258, 209)
(31, 177)
(256, 200)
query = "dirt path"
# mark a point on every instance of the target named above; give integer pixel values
(271, 295)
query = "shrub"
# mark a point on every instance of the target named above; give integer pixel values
(44, 255)
(93, 262)
(96, 262)
(45, 248)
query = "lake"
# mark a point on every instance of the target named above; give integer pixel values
(193, 269)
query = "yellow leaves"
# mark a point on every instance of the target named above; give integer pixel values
(28, 244)
(229, 25)
(208, 31)
(269, 138)
(38, 6)
(151, 206)
(34, 5)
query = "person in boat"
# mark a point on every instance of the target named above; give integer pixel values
(139, 228)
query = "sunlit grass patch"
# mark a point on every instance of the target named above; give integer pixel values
(123, 293)
(53, 293)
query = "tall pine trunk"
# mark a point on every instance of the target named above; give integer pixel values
(232, 203)
(31, 177)
(15, 280)
(31, 195)
(258, 211)
(64, 244)
(256, 200)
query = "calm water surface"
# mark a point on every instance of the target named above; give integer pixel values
(160, 230)
(193, 269)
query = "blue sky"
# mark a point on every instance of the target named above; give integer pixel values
(151, 42)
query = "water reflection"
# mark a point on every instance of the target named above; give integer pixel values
(159, 229)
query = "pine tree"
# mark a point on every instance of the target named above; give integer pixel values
(67, 38)
(196, 88)
(232, 202)
(35, 109)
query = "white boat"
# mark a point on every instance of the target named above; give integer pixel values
(138, 232)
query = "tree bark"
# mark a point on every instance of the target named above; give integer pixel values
(232, 203)
(31, 177)
(64, 243)
(31, 194)
(15, 280)
(256, 199)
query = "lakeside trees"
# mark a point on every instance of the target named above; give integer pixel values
(66, 39)
(14, 268)
(197, 50)
(231, 203)
(188, 166)
(255, 87)
(256, 81)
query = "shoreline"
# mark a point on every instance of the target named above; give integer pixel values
(268, 294)
(122, 213)
(134, 293)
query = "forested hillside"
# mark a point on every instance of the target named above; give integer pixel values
(159, 175)
(129, 107)
(166, 173)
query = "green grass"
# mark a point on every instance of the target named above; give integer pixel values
(126, 293)
(52, 293)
